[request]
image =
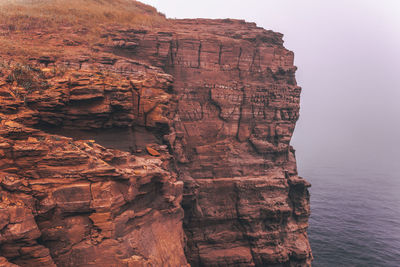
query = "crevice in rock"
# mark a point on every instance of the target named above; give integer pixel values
(129, 139)
(241, 223)
(220, 54)
(199, 56)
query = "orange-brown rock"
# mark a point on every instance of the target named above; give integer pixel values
(76, 203)
(66, 202)
(152, 151)
(157, 146)
(238, 103)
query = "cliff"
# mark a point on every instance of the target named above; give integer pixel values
(157, 144)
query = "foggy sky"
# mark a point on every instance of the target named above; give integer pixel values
(348, 58)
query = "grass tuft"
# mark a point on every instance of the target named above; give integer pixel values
(28, 77)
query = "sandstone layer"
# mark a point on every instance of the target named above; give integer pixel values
(202, 113)
(76, 203)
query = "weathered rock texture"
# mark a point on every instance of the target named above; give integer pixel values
(220, 96)
(76, 203)
(238, 103)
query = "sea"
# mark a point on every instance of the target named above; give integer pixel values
(355, 215)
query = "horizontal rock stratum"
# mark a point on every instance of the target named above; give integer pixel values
(158, 144)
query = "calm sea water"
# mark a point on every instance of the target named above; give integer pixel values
(355, 218)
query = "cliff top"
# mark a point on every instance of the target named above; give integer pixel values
(60, 28)
(30, 27)
(22, 15)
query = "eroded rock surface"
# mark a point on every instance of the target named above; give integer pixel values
(88, 205)
(238, 103)
(217, 187)
(75, 203)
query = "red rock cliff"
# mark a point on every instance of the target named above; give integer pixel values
(238, 103)
(205, 110)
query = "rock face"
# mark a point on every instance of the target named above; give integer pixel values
(210, 180)
(76, 203)
(238, 103)
(88, 205)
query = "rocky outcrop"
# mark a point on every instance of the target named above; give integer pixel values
(202, 112)
(238, 103)
(76, 203)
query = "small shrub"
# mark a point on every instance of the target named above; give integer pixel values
(28, 77)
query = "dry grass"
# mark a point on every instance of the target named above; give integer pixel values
(23, 15)
(78, 20)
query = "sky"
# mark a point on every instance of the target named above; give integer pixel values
(348, 58)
